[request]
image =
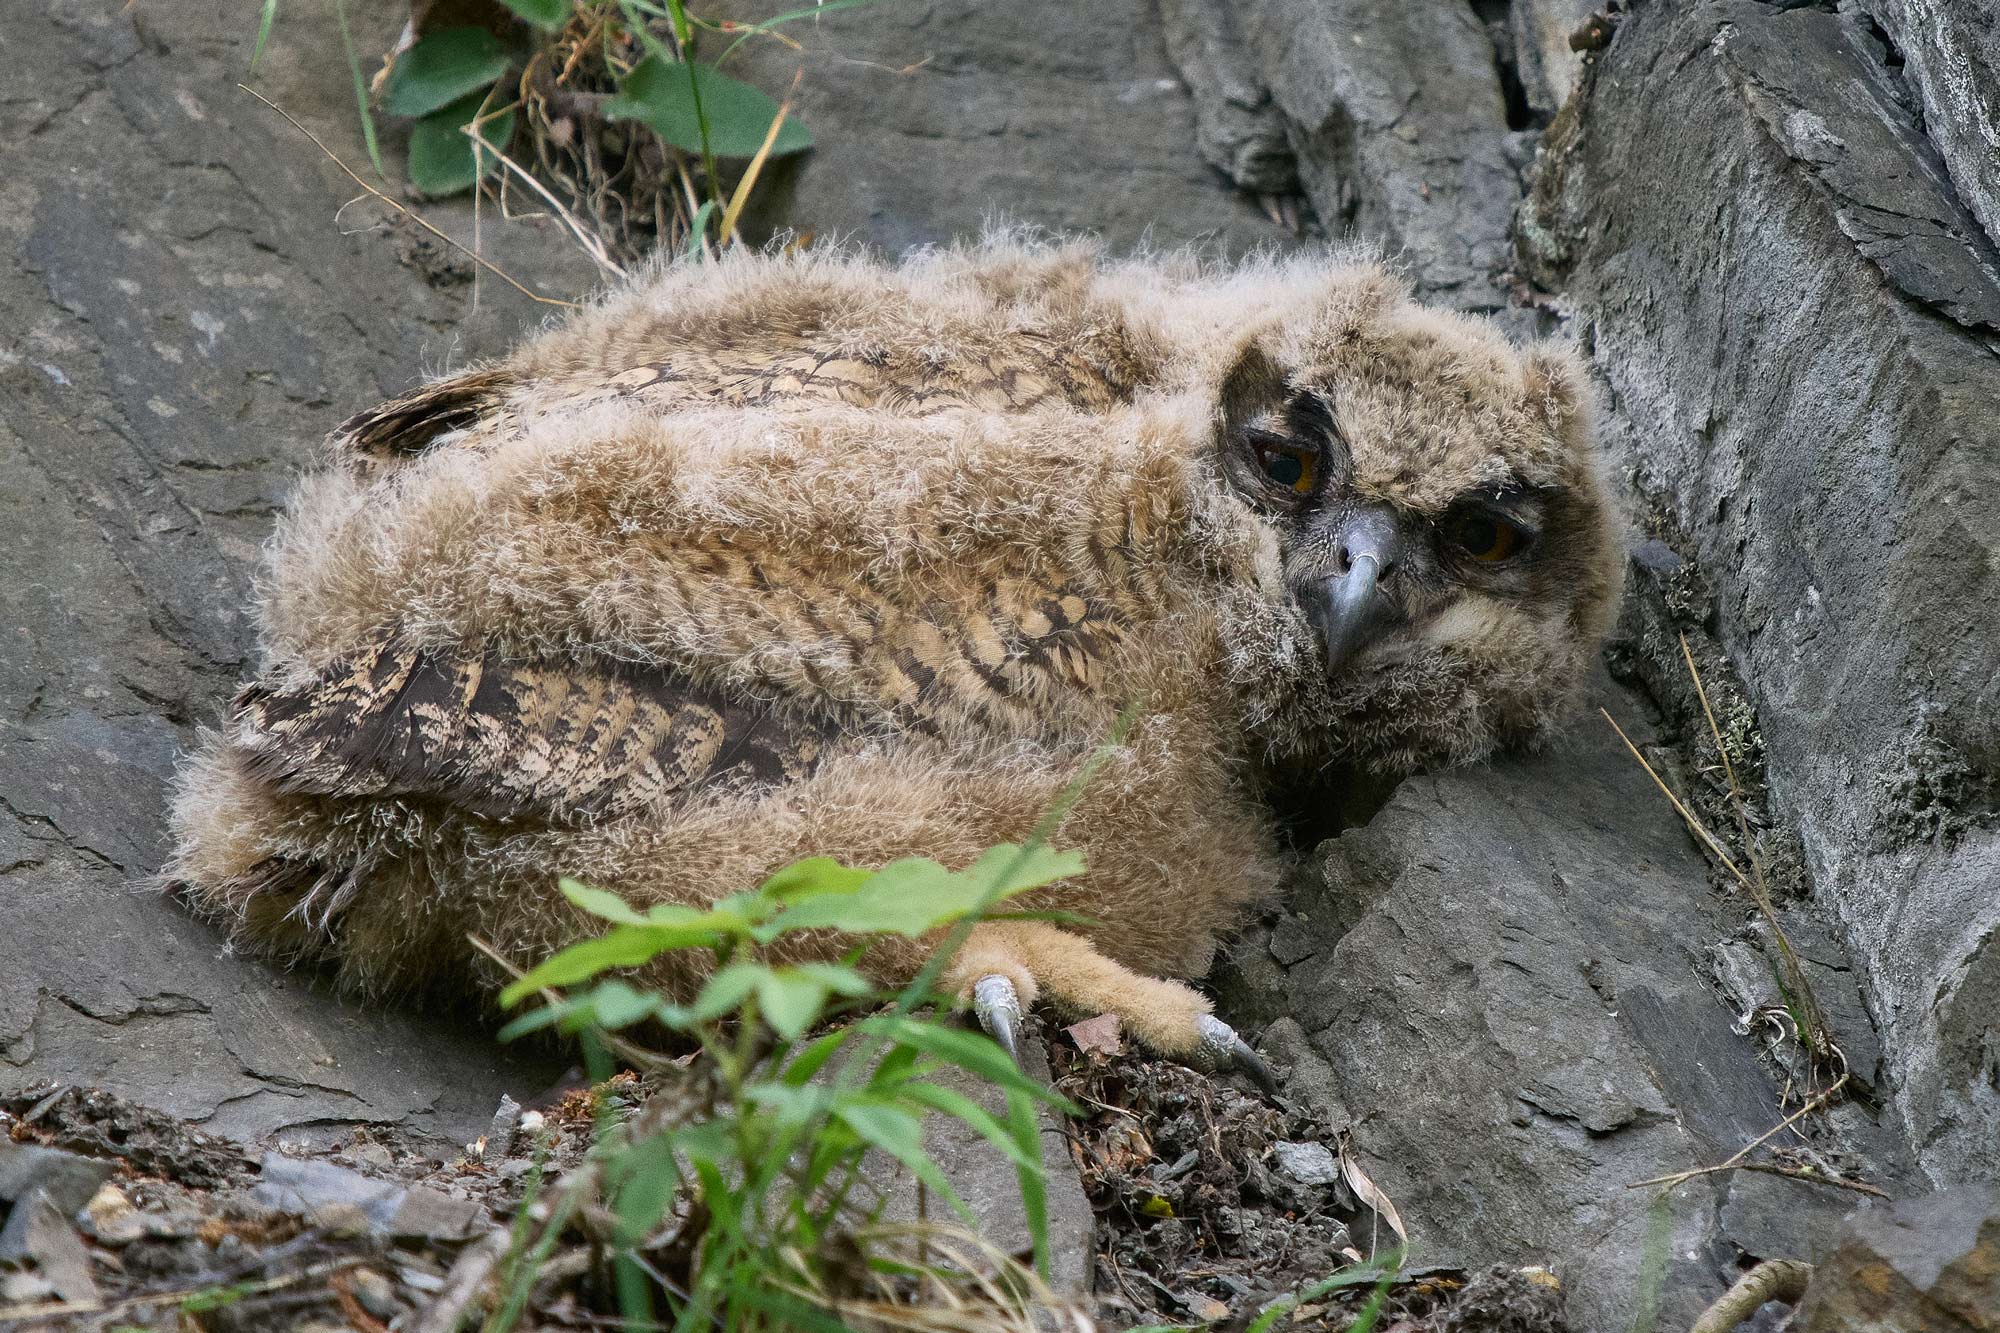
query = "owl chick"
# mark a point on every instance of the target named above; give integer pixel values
(802, 555)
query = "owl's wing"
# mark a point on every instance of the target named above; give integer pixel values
(554, 740)
(404, 427)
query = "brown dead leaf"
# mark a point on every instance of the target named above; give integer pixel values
(1370, 1193)
(1097, 1036)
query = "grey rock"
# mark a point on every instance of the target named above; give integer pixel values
(63, 1178)
(1517, 1027)
(184, 317)
(1795, 317)
(989, 1186)
(1548, 68)
(38, 1234)
(1307, 1163)
(932, 118)
(501, 1130)
(1951, 55)
(1239, 129)
(321, 1190)
(1396, 119)
(1929, 1265)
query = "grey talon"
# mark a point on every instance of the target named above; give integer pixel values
(999, 1008)
(1220, 1041)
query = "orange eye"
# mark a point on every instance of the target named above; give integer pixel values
(1486, 537)
(1293, 468)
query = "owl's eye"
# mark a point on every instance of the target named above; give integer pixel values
(1291, 466)
(1485, 537)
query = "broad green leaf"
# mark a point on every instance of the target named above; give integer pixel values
(1018, 869)
(597, 902)
(441, 68)
(790, 999)
(661, 96)
(541, 13)
(532, 1021)
(649, 1178)
(727, 989)
(795, 1106)
(442, 159)
(839, 978)
(622, 946)
(813, 876)
(710, 1141)
(900, 1134)
(956, 1104)
(893, 1070)
(613, 1005)
(916, 895)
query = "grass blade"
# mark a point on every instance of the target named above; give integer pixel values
(360, 90)
(264, 23)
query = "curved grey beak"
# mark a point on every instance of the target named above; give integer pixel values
(1350, 608)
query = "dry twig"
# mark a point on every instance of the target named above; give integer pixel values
(407, 212)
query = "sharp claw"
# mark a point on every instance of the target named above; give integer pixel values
(1229, 1050)
(999, 1008)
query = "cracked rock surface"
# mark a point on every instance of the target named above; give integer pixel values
(1793, 301)
(182, 318)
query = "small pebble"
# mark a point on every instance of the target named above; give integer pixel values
(373, 1155)
(1307, 1163)
(376, 1293)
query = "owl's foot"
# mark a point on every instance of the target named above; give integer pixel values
(1005, 966)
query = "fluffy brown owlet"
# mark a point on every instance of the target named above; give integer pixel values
(790, 556)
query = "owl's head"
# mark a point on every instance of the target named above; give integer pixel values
(1442, 521)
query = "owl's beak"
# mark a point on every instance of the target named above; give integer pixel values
(1350, 608)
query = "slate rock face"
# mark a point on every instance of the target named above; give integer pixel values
(933, 119)
(181, 318)
(1798, 315)
(1920, 1266)
(1394, 113)
(1501, 976)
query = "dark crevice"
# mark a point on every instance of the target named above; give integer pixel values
(1495, 15)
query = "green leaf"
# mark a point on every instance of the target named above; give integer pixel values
(1026, 1129)
(916, 895)
(794, 1106)
(441, 68)
(839, 978)
(810, 1060)
(727, 989)
(354, 76)
(969, 1050)
(956, 1104)
(613, 1005)
(661, 95)
(264, 23)
(1018, 869)
(541, 13)
(900, 1134)
(811, 877)
(622, 946)
(442, 158)
(649, 1179)
(790, 1000)
(599, 903)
